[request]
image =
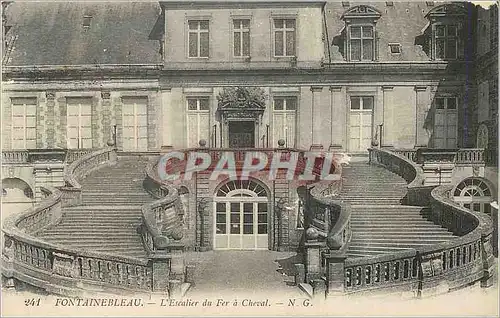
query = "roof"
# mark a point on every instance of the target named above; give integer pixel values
(52, 33)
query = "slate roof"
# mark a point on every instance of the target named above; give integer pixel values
(52, 33)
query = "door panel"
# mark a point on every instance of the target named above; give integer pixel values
(360, 131)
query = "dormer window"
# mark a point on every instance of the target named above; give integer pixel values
(360, 41)
(445, 30)
(86, 22)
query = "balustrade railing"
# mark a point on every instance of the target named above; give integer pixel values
(75, 154)
(410, 154)
(470, 156)
(14, 156)
(452, 264)
(49, 265)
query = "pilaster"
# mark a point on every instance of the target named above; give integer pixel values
(316, 118)
(421, 108)
(337, 116)
(388, 131)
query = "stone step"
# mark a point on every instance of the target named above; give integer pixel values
(398, 240)
(391, 233)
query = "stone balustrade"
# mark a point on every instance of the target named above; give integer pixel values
(410, 154)
(470, 156)
(431, 269)
(15, 156)
(75, 154)
(57, 268)
(61, 269)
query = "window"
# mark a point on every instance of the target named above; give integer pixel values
(361, 102)
(284, 37)
(135, 123)
(361, 43)
(79, 112)
(198, 121)
(445, 122)
(23, 123)
(241, 37)
(445, 32)
(474, 194)
(446, 42)
(198, 38)
(360, 34)
(86, 21)
(284, 116)
(395, 48)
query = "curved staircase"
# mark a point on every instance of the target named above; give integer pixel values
(111, 211)
(380, 223)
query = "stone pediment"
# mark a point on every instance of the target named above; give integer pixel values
(361, 11)
(447, 10)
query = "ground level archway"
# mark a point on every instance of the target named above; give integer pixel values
(241, 221)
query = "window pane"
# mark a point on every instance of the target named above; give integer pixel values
(235, 218)
(368, 50)
(290, 23)
(262, 229)
(439, 103)
(192, 105)
(278, 23)
(193, 25)
(204, 104)
(237, 43)
(355, 103)
(204, 44)
(221, 218)
(278, 43)
(235, 229)
(440, 30)
(193, 44)
(367, 102)
(278, 104)
(291, 103)
(452, 103)
(248, 229)
(356, 50)
(355, 32)
(221, 228)
(452, 30)
(204, 25)
(236, 24)
(246, 44)
(440, 48)
(290, 43)
(245, 23)
(262, 218)
(367, 32)
(262, 207)
(451, 48)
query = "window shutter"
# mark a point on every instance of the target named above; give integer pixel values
(347, 48)
(375, 44)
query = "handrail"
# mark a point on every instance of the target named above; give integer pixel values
(422, 268)
(78, 169)
(55, 267)
(161, 228)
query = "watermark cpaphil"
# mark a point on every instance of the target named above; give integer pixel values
(304, 166)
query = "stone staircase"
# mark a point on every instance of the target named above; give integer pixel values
(111, 211)
(380, 223)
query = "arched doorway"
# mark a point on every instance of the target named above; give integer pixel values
(474, 194)
(241, 215)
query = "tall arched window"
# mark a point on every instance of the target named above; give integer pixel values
(474, 194)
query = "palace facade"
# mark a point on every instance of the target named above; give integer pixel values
(331, 76)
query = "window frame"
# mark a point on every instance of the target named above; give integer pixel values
(284, 30)
(80, 126)
(135, 116)
(25, 116)
(241, 31)
(445, 37)
(445, 112)
(286, 112)
(361, 38)
(198, 31)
